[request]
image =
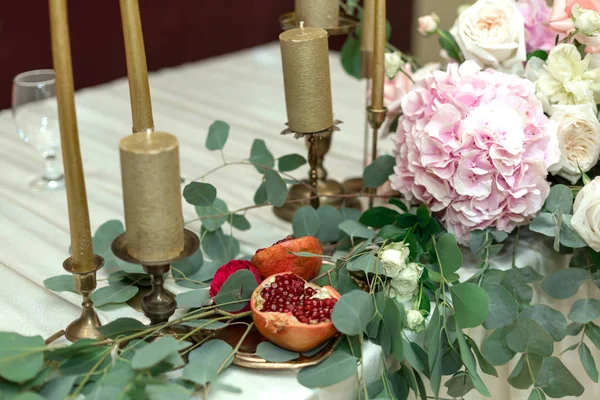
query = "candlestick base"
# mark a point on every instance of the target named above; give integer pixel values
(347, 24)
(86, 326)
(159, 304)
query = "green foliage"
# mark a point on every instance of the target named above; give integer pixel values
(219, 246)
(448, 254)
(305, 222)
(273, 353)
(155, 352)
(527, 336)
(503, 308)
(548, 318)
(378, 217)
(26, 352)
(329, 220)
(355, 229)
(188, 266)
(449, 44)
(556, 380)
(193, 298)
(218, 133)
(240, 222)
(121, 327)
(541, 54)
(290, 162)
(592, 331)
(337, 368)
(351, 56)
(378, 172)
(113, 293)
(276, 188)
(352, 312)
(237, 290)
(520, 377)
(471, 304)
(60, 283)
(260, 156)
(214, 215)
(585, 310)
(587, 360)
(200, 194)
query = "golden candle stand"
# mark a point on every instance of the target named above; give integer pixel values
(86, 326)
(317, 190)
(159, 304)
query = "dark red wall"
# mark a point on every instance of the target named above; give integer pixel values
(175, 31)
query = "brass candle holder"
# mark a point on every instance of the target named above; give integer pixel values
(159, 304)
(86, 326)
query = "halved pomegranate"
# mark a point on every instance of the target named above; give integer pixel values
(278, 258)
(292, 313)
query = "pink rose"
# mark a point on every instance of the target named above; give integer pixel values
(562, 22)
(538, 35)
(225, 271)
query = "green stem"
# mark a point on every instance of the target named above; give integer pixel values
(515, 246)
(529, 369)
(90, 373)
(237, 347)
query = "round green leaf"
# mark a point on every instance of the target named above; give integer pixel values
(470, 303)
(273, 353)
(495, 348)
(28, 396)
(220, 247)
(218, 133)
(214, 215)
(290, 162)
(260, 197)
(193, 298)
(587, 360)
(121, 326)
(167, 391)
(560, 198)
(520, 377)
(154, 352)
(366, 263)
(355, 229)
(115, 293)
(61, 283)
(351, 56)
(548, 318)
(337, 368)
(58, 388)
(200, 193)
(276, 188)
(592, 331)
(449, 255)
(503, 308)
(237, 288)
(378, 172)
(352, 312)
(527, 336)
(329, 217)
(378, 217)
(201, 372)
(260, 156)
(459, 385)
(21, 357)
(565, 283)
(306, 222)
(557, 381)
(188, 266)
(240, 222)
(213, 352)
(585, 310)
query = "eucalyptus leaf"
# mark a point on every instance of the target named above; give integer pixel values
(201, 372)
(115, 293)
(556, 380)
(218, 132)
(495, 348)
(214, 352)
(276, 188)
(260, 156)
(513, 281)
(260, 196)
(378, 172)
(193, 298)
(485, 365)
(240, 222)
(120, 327)
(469, 360)
(272, 353)
(377, 217)
(237, 288)
(58, 388)
(336, 368)
(592, 331)
(366, 262)
(520, 377)
(21, 357)
(548, 318)
(219, 246)
(306, 222)
(154, 352)
(585, 310)
(448, 43)
(133, 270)
(214, 215)
(587, 360)
(565, 282)
(61, 283)
(536, 394)
(208, 324)
(356, 229)
(28, 396)
(329, 220)
(560, 198)
(544, 223)
(449, 255)
(503, 308)
(351, 56)
(290, 162)
(167, 391)
(200, 193)
(470, 303)
(188, 266)
(352, 312)
(527, 336)
(574, 329)
(569, 236)
(459, 385)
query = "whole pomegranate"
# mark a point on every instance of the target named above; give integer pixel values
(292, 313)
(278, 257)
(228, 269)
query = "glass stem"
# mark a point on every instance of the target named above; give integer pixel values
(52, 168)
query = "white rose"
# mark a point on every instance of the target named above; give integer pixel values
(564, 78)
(586, 21)
(393, 63)
(586, 214)
(414, 320)
(578, 140)
(406, 284)
(428, 24)
(393, 258)
(492, 32)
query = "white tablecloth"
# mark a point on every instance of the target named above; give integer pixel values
(244, 89)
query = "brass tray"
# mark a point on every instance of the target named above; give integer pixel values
(246, 357)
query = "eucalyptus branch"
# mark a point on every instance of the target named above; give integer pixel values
(236, 348)
(90, 373)
(530, 369)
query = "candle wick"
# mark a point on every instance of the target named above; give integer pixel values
(302, 26)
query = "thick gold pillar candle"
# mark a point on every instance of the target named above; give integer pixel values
(378, 69)
(305, 59)
(137, 69)
(318, 13)
(152, 196)
(79, 219)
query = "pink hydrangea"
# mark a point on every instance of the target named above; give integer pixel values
(538, 34)
(474, 146)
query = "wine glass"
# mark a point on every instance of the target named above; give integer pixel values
(35, 113)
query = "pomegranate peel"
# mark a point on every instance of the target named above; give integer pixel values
(278, 258)
(292, 313)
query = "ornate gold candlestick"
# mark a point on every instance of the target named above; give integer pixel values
(159, 304)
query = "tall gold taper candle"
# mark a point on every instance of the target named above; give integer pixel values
(378, 69)
(152, 197)
(367, 39)
(79, 220)
(137, 69)
(305, 59)
(318, 13)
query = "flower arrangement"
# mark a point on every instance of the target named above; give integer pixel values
(503, 140)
